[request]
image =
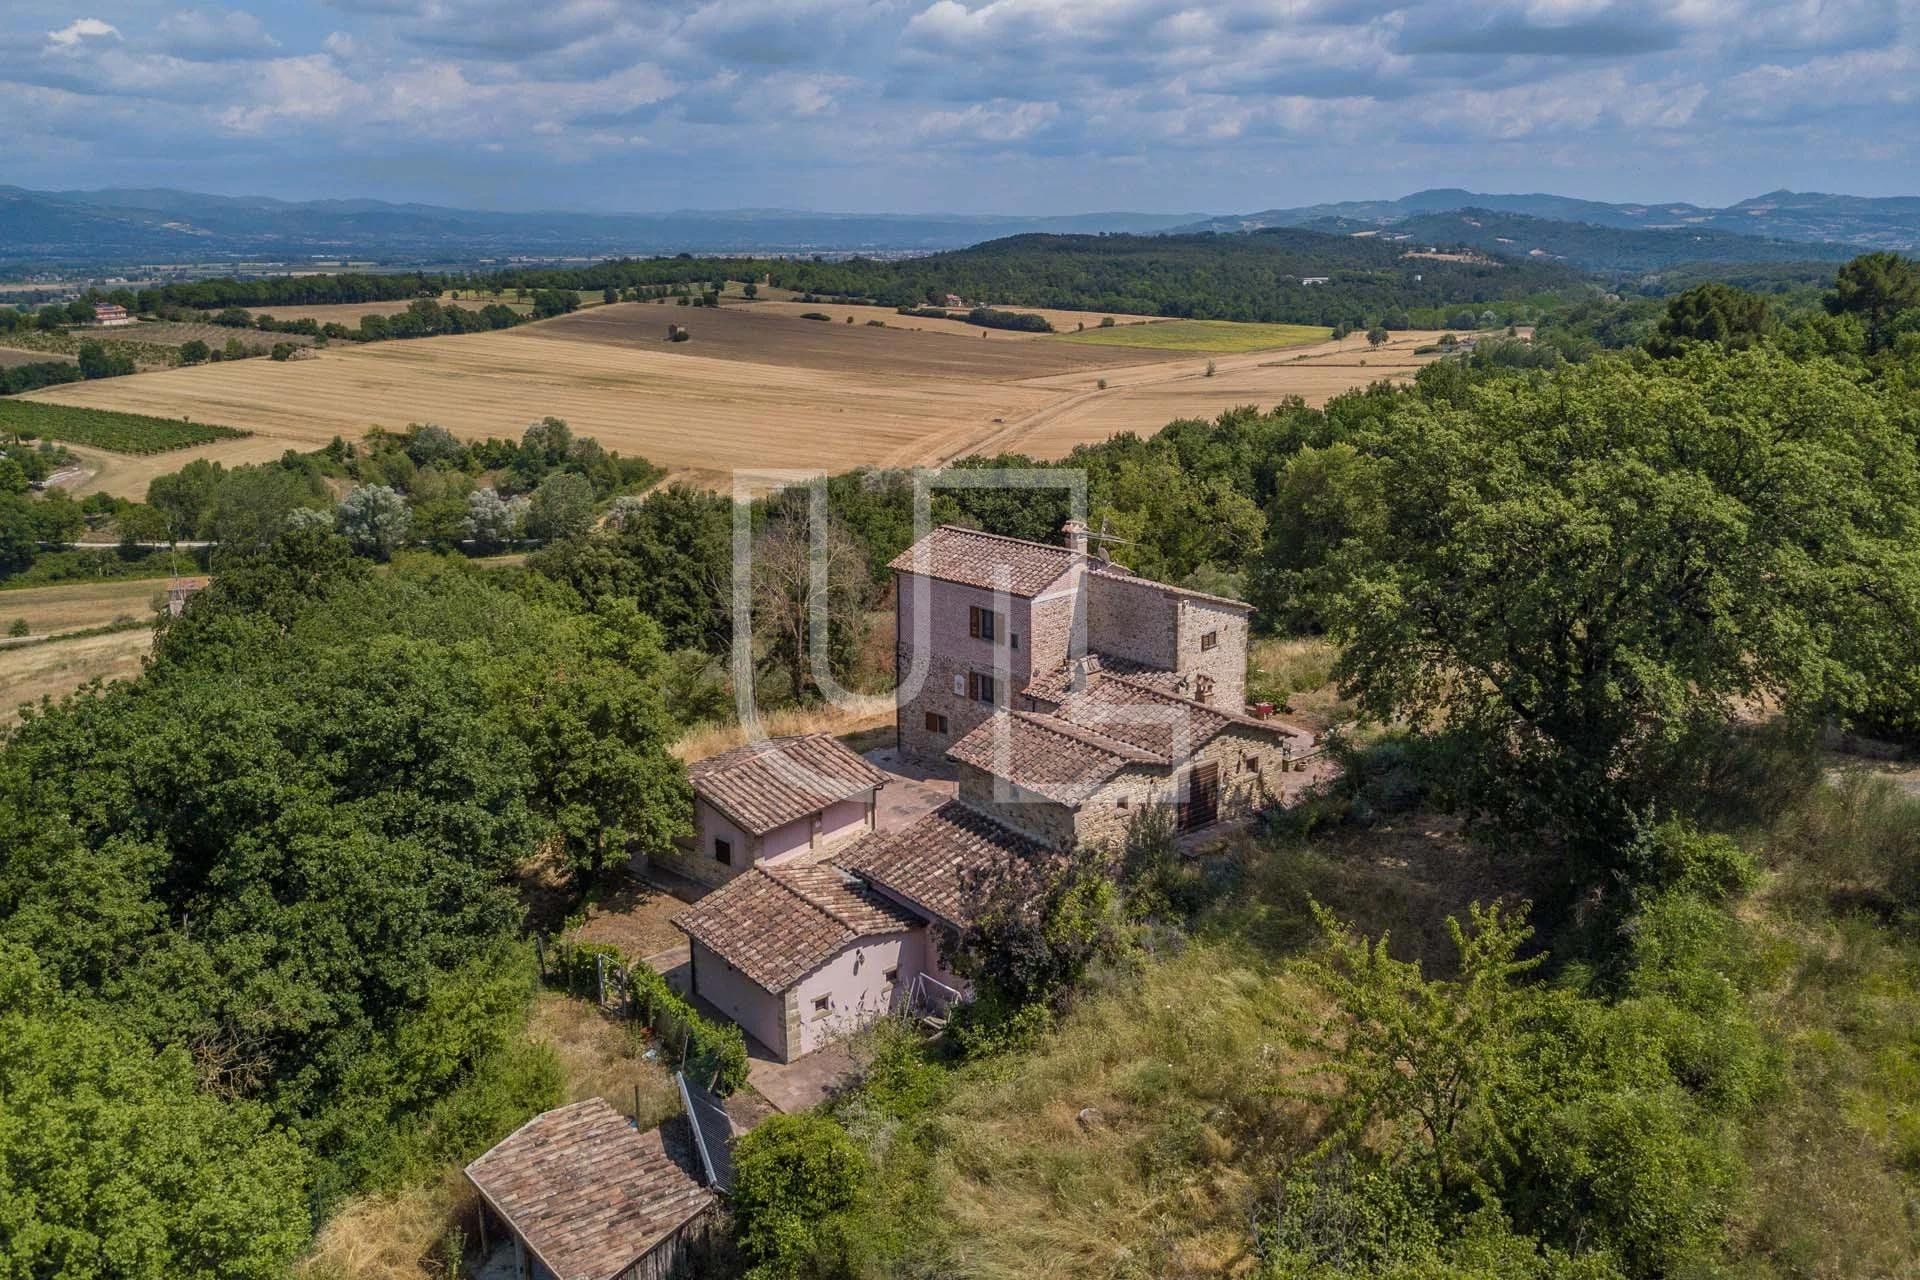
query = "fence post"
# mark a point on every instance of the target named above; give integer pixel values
(600, 981)
(540, 954)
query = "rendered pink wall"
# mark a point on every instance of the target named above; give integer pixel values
(855, 986)
(756, 1009)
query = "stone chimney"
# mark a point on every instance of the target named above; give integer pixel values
(1076, 531)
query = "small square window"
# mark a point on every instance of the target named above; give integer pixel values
(1121, 803)
(723, 850)
(1211, 640)
(1013, 639)
(936, 723)
(890, 976)
(821, 1004)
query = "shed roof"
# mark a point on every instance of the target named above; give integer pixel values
(990, 561)
(767, 784)
(934, 863)
(778, 924)
(589, 1193)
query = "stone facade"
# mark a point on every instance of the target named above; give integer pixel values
(956, 660)
(1252, 770)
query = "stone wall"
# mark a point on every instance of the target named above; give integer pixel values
(1131, 618)
(1225, 665)
(953, 654)
(1253, 776)
(1045, 820)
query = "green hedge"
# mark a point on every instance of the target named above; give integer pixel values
(716, 1051)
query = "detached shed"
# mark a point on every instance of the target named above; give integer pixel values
(587, 1196)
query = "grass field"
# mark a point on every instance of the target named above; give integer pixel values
(119, 432)
(753, 388)
(11, 356)
(80, 606)
(1220, 337)
(54, 669)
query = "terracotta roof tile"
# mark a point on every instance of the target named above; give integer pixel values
(778, 924)
(1047, 755)
(1164, 726)
(986, 560)
(931, 862)
(767, 784)
(587, 1191)
(1057, 684)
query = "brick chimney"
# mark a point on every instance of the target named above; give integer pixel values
(1076, 531)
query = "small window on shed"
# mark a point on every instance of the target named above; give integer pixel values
(891, 976)
(821, 1004)
(1210, 640)
(723, 850)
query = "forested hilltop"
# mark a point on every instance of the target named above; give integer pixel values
(1255, 277)
(1601, 959)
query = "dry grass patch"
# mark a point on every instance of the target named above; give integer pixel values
(1296, 673)
(55, 669)
(603, 1057)
(80, 605)
(410, 1234)
(1137, 1138)
(858, 716)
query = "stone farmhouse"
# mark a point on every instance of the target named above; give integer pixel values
(1066, 693)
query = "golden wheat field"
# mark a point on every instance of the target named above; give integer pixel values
(763, 391)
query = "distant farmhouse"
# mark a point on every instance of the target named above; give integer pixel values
(110, 315)
(1068, 693)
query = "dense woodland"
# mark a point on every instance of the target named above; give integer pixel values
(1592, 603)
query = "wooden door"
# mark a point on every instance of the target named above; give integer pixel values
(1203, 796)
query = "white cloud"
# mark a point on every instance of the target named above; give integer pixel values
(82, 29)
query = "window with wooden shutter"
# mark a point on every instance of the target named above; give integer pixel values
(982, 624)
(1210, 640)
(980, 688)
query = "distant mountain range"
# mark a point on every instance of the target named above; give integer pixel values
(131, 226)
(1887, 222)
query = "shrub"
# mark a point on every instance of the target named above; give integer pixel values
(815, 315)
(794, 1179)
(19, 628)
(1022, 321)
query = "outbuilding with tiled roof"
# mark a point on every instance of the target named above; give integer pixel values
(773, 801)
(585, 1195)
(800, 955)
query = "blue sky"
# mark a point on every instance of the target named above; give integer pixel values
(1015, 106)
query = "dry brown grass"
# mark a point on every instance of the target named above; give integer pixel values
(602, 1057)
(1297, 673)
(863, 715)
(78, 605)
(702, 416)
(54, 669)
(399, 1235)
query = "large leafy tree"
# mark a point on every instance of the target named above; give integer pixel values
(114, 1163)
(1711, 312)
(1581, 579)
(1876, 287)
